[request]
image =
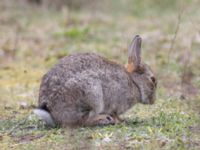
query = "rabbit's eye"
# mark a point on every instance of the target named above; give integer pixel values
(153, 79)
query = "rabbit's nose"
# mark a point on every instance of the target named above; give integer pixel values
(109, 118)
(152, 99)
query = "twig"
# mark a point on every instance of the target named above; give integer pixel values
(184, 75)
(174, 38)
(16, 40)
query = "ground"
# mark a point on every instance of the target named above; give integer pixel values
(33, 38)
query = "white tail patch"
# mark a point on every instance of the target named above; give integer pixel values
(45, 116)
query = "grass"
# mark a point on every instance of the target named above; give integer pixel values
(34, 39)
(167, 128)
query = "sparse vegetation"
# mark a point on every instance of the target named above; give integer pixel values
(34, 37)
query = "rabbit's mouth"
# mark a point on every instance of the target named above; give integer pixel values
(148, 102)
(148, 99)
(151, 99)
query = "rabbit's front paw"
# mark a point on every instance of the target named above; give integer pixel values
(117, 119)
(102, 120)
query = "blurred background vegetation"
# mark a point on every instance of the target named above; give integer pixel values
(35, 34)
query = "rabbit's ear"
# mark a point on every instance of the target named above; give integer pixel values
(134, 54)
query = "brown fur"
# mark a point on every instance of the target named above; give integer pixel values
(87, 89)
(130, 68)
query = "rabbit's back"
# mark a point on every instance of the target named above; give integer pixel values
(79, 63)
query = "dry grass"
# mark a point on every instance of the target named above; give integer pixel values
(33, 38)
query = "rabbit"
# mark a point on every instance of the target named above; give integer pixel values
(86, 89)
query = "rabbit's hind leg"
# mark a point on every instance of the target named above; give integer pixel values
(68, 117)
(100, 120)
(95, 101)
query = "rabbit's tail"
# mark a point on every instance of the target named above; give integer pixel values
(45, 116)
